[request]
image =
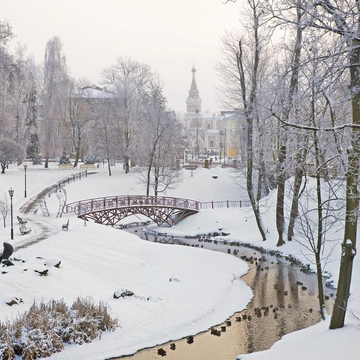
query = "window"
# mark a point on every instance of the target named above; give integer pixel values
(211, 143)
(73, 151)
(208, 125)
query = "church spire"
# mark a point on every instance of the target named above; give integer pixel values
(193, 102)
(194, 92)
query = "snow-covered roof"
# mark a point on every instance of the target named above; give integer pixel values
(96, 92)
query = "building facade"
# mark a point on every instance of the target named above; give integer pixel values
(202, 130)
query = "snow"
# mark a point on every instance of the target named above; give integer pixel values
(98, 261)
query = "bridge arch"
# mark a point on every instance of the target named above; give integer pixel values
(112, 209)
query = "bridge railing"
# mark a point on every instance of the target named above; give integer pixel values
(225, 204)
(112, 202)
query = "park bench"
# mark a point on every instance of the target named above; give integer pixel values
(66, 225)
(21, 221)
(87, 166)
(24, 229)
(66, 166)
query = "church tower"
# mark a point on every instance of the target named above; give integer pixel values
(193, 102)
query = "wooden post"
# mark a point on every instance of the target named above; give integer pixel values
(212, 204)
(227, 203)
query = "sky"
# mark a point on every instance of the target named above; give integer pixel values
(170, 36)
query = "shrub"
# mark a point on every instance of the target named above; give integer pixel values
(46, 327)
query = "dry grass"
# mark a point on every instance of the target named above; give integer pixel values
(45, 328)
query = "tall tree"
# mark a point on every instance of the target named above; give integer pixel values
(54, 93)
(128, 79)
(241, 70)
(31, 120)
(6, 62)
(78, 120)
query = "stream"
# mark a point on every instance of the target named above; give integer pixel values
(285, 300)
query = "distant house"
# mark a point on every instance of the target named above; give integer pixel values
(92, 97)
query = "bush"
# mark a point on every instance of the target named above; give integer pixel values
(45, 328)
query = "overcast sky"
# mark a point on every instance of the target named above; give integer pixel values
(168, 35)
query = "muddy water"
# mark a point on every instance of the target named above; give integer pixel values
(285, 300)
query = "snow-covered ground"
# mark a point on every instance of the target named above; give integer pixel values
(97, 260)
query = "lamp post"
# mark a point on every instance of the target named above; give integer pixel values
(11, 193)
(25, 167)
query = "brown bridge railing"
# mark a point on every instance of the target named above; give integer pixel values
(113, 202)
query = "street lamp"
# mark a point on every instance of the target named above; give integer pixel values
(11, 193)
(25, 167)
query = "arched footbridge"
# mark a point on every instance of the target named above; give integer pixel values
(110, 210)
(161, 209)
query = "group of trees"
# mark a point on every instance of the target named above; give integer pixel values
(301, 112)
(43, 110)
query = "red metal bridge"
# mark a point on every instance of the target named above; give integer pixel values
(112, 209)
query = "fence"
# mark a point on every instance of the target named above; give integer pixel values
(225, 204)
(70, 179)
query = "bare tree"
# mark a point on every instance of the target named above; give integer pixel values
(79, 117)
(319, 211)
(156, 124)
(4, 207)
(128, 79)
(241, 69)
(103, 137)
(165, 173)
(9, 151)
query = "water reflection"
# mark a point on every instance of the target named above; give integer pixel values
(279, 306)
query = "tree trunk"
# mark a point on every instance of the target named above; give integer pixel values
(148, 179)
(259, 186)
(280, 219)
(78, 149)
(249, 181)
(109, 166)
(126, 164)
(348, 245)
(77, 157)
(320, 219)
(294, 212)
(156, 181)
(352, 198)
(320, 285)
